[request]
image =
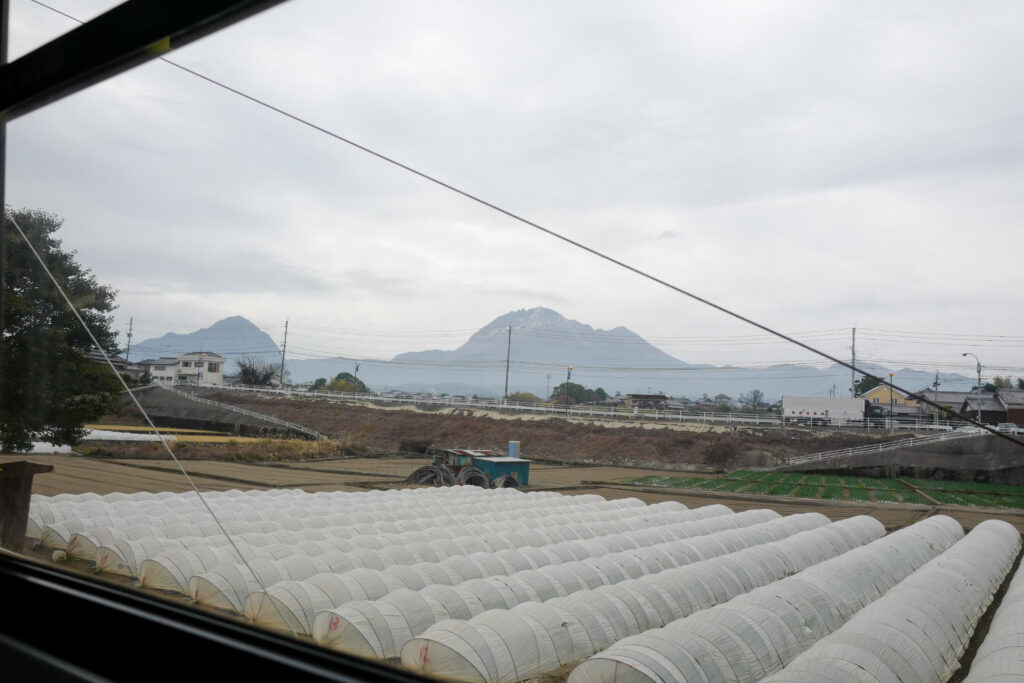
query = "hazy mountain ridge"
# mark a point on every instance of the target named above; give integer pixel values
(544, 345)
(232, 337)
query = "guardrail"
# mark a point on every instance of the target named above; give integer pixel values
(767, 419)
(881, 447)
(249, 413)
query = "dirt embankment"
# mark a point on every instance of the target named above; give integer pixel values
(372, 429)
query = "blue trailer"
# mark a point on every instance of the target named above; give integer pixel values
(495, 466)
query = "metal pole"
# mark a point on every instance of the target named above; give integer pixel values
(892, 423)
(978, 361)
(853, 362)
(508, 355)
(284, 346)
(568, 376)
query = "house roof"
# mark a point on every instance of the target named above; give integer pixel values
(882, 389)
(1010, 397)
(946, 398)
(159, 361)
(95, 354)
(989, 403)
(204, 354)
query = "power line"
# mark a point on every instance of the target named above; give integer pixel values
(547, 231)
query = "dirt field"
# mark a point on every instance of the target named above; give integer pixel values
(79, 474)
(628, 443)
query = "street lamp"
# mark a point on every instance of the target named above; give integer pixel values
(978, 360)
(892, 421)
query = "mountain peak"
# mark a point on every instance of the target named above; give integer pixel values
(233, 337)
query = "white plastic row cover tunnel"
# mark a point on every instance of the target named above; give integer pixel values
(126, 556)
(363, 533)
(758, 632)
(292, 505)
(299, 602)
(509, 554)
(920, 628)
(586, 622)
(303, 510)
(577, 524)
(1000, 658)
(377, 552)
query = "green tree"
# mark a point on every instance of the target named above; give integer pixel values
(865, 384)
(48, 387)
(524, 397)
(318, 384)
(574, 393)
(348, 383)
(256, 372)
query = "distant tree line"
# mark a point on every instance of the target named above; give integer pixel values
(577, 393)
(344, 382)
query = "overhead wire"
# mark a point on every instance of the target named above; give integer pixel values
(552, 233)
(163, 440)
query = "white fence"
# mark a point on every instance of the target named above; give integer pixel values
(249, 413)
(887, 446)
(610, 413)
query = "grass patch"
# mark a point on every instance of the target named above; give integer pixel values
(734, 485)
(833, 492)
(860, 494)
(908, 496)
(807, 491)
(782, 489)
(883, 496)
(761, 487)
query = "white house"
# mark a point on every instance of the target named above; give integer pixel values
(197, 367)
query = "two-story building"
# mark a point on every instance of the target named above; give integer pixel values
(197, 367)
(881, 394)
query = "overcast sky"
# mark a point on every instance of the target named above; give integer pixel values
(813, 165)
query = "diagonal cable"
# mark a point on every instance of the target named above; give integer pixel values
(563, 238)
(163, 440)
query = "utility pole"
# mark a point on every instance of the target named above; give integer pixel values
(508, 355)
(935, 397)
(547, 393)
(853, 362)
(128, 349)
(284, 347)
(978, 360)
(568, 376)
(892, 424)
(356, 375)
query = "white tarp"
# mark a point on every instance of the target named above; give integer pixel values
(474, 650)
(904, 635)
(758, 632)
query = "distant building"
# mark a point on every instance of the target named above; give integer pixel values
(992, 409)
(950, 400)
(656, 401)
(1013, 403)
(880, 396)
(197, 367)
